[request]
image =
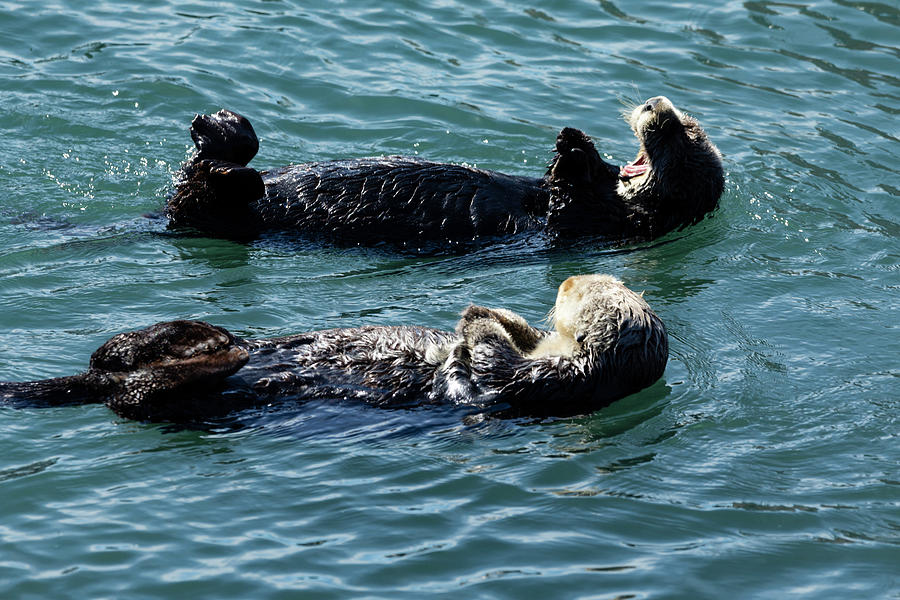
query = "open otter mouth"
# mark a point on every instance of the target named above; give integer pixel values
(633, 169)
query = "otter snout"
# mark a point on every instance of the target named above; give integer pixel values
(652, 103)
(649, 113)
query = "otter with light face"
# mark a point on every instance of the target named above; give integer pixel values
(607, 344)
(676, 179)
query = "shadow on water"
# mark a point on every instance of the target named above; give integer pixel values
(346, 421)
(626, 414)
(381, 260)
(496, 251)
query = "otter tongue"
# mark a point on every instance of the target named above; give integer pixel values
(638, 167)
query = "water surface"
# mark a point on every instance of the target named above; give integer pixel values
(764, 463)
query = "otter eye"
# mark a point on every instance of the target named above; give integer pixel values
(647, 107)
(580, 337)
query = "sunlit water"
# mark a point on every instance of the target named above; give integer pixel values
(763, 465)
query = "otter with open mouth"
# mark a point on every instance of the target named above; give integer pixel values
(676, 179)
(607, 344)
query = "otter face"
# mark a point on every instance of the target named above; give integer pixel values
(587, 309)
(677, 177)
(651, 119)
(655, 113)
(604, 320)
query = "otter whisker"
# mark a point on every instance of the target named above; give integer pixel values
(550, 319)
(632, 100)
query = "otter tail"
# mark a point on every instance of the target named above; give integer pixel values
(61, 391)
(161, 373)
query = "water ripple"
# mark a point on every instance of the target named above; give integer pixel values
(770, 440)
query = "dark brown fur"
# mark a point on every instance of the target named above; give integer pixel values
(409, 201)
(189, 371)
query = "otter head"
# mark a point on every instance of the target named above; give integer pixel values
(677, 176)
(655, 116)
(608, 323)
(659, 127)
(582, 310)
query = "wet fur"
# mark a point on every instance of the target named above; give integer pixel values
(685, 179)
(409, 201)
(189, 371)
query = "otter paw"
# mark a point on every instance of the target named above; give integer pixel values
(232, 183)
(224, 135)
(570, 139)
(162, 344)
(476, 312)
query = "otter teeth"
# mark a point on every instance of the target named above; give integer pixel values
(638, 167)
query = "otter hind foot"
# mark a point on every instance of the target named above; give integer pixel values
(224, 135)
(233, 184)
(161, 344)
(215, 195)
(163, 372)
(159, 372)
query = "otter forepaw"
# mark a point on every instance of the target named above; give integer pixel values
(570, 138)
(476, 312)
(576, 160)
(478, 323)
(572, 166)
(231, 181)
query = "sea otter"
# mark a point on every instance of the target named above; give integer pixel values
(675, 180)
(607, 344)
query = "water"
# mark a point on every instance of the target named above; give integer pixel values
(764, 464)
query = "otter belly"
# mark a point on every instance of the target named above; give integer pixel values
(676, 179)
(399, 200)
(382, 365)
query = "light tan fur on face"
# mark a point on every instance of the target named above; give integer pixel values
(641, 120)
(572, 311)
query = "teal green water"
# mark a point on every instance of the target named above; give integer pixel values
(764, 464)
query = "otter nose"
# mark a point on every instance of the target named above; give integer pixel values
(652, 102)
